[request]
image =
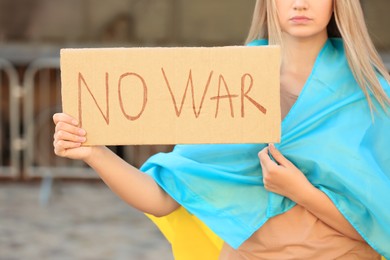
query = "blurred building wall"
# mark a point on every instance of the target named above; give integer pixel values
(148, 22)
(377, 14)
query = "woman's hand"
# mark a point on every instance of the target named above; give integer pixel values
(68, 138)
(283, 177)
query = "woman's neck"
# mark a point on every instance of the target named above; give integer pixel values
(299, 55)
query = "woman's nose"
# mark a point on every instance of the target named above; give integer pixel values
(299, 5)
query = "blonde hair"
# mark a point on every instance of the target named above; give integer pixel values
(348, 23)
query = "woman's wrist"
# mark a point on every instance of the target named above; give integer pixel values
(304, 194)
(310, 197)
(95, 153)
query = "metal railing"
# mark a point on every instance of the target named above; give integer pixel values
(31, 132)
(10, 143)
(42, 98)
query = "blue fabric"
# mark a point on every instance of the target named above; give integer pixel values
(329, 134)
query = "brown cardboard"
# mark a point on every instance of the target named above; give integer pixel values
(136, 95)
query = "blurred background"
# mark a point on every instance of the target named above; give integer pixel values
(52, 208)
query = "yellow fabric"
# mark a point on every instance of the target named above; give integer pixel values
(189, 237)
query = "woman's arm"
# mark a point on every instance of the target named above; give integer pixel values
(134, 187)
(285, 179)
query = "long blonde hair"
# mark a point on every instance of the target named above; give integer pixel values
(348, 23)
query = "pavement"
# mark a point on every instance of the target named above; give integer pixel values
(81, 220)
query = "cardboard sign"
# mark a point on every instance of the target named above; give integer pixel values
(173, 95)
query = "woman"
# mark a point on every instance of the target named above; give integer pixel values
(302, 28)
(315, 199)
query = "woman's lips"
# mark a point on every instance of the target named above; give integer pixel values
(300, 19)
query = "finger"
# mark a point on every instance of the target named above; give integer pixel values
(263, 154)
(66, 136)
(267, 180)
(65, 127)
(278, 156)
(62, 146)
(62, 117)
(265, 160)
